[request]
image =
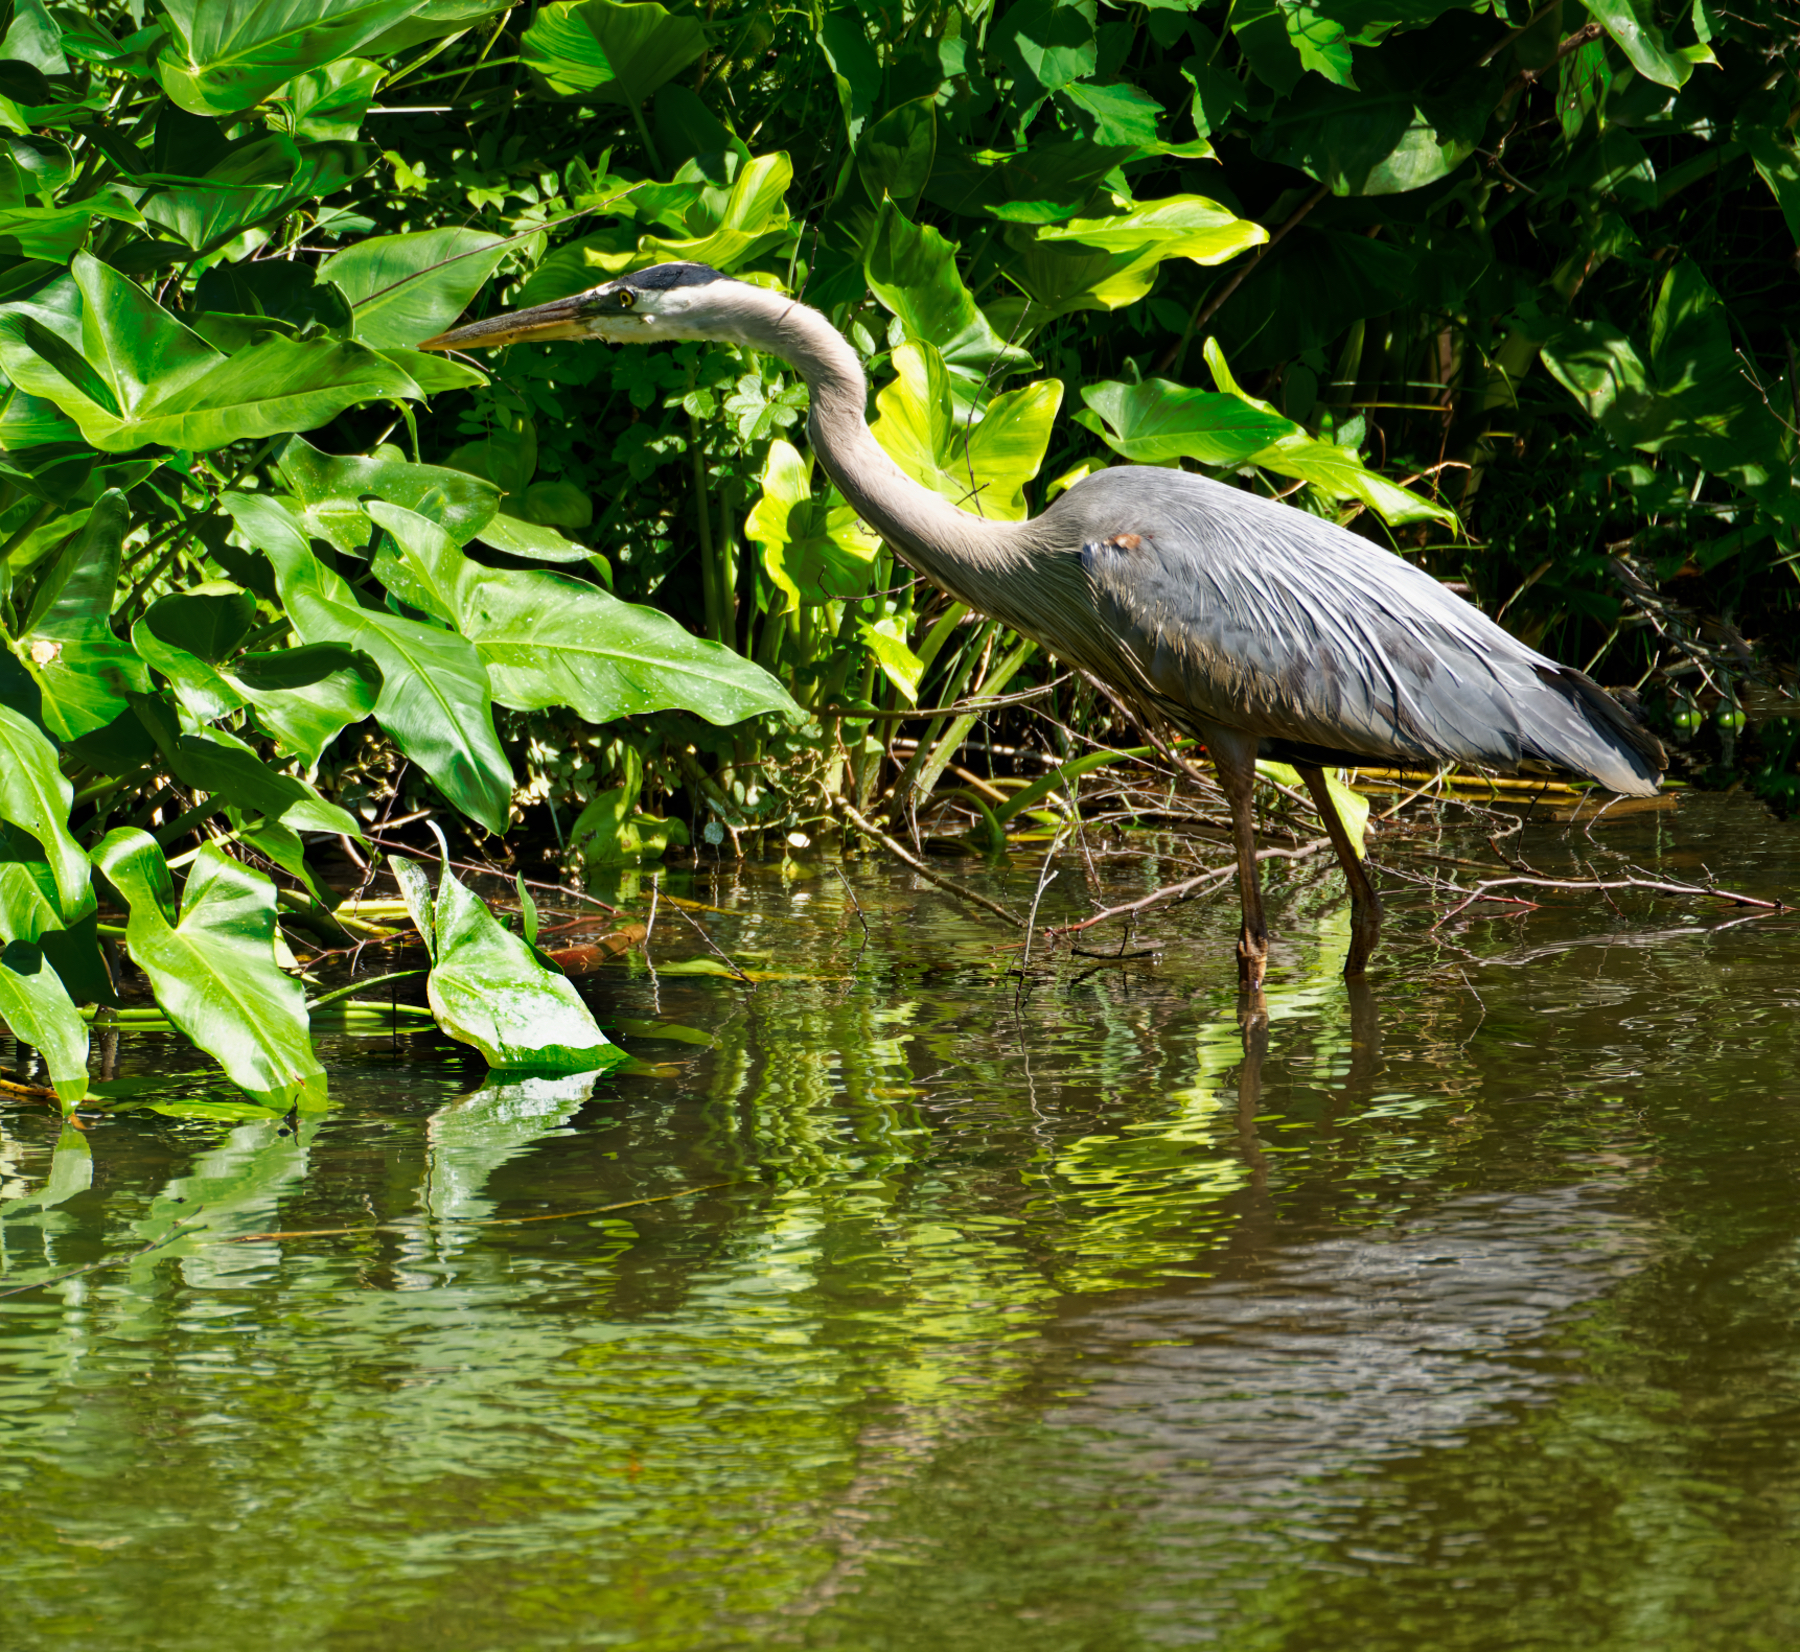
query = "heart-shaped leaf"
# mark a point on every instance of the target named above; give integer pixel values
(607, 52)
(434, 699)
(213, 968)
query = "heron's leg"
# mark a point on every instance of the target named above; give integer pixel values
(1365, 904)
(1234, 757)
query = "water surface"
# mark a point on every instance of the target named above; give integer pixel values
(1462, 1313)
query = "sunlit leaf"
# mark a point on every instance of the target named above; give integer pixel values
(213, 968)
(1156, 421)
(226, 57)
(813, 548)
(434, 699)
(550, 640)
(1178, 226)
(487, 989)
(131, 374)
(35, 797)
(36, 1005)
(1632, 23)
(607, 52)
(980, 467)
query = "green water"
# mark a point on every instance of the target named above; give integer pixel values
(1464, 1315)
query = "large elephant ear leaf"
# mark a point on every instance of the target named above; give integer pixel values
(213, 968)
(35, 797)
(488, 989)
(36, 1005)
(407, 287)
(82, 670)
(229, 57)
(609, 53)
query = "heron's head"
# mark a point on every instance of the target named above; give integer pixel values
(665, 301)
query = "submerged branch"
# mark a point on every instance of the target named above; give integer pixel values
(869, 829)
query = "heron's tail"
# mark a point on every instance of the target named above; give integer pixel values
(1585, 729)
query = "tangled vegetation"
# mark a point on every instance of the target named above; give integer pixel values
(1501, 288)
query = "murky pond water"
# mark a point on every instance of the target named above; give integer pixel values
(1463, 1314)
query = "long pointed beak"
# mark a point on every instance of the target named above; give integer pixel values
(561, 318)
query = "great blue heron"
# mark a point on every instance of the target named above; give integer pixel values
(1260, 630)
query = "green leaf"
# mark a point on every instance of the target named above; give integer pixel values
(404, 288)
(304, 697)
(912, 270)
(487, 989)
(330, 490)
(327, 105)
(219, 764)
(253, 182)
(609, 53)
(1632, 23)
(982, 468)
(183, 636)
(1777, 163)
(434, 699)
(549, 640)
(885, 638)
(213, 970)
(855, 66)
(80, 669)
(1600, 367)
(35, 1004)
(1335, 471)
(1047, 44)
(1155, 422)
(729, 228)
(35, 797)
(895, 155)
(31, 905)
(223, 58)
(1122, 115)
(611, 831)
(1376, 141)
(129, 373)
(530, 540)
(814, 550)
(1179, 226)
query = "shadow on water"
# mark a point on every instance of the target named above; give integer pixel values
(1461, 1310)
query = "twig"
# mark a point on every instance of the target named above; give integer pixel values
(715, 949)
(1176, 891)
(495, 872)
(1481, 892)
(1045, 878)
(855, 903)
(870, 829)
(960, 709)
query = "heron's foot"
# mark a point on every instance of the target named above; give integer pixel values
(1253, 962)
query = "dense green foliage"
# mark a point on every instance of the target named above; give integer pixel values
(1502, 289)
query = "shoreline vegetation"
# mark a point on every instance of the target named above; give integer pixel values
(1507, 290)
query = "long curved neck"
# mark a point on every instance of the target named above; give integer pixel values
(969, 556)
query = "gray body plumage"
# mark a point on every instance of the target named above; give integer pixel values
(1218, 606)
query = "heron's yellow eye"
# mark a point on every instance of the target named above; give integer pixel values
(626, 298)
